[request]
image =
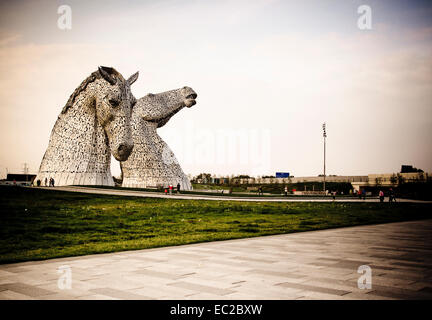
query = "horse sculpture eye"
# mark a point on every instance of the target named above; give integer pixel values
(114, 103)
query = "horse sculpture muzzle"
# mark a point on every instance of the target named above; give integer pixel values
(190, 96)
(124, 150)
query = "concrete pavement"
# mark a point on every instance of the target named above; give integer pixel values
(309, 265)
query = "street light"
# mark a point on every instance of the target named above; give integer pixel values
(324, 136)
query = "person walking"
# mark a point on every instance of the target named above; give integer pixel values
(286, 191)
(392, 195)
(170, 189)
(381, 196)
(178, 187)
(46, 182)
(53, 181)
(364, 194)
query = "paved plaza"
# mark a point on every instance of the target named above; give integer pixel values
(309, 265)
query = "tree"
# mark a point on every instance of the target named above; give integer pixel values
(204, 177)
(378, 181)
(421, 177)
(400, 179)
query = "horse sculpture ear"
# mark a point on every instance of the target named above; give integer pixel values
(106, 74)
(133, 78)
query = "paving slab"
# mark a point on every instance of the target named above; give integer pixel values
(308, 265)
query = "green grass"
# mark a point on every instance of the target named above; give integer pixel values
(40, 224)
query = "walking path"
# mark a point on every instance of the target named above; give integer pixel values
(125, 192)
(308, 265)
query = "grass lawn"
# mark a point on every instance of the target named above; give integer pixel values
(39, 224)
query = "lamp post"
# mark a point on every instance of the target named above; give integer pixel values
(324, 136)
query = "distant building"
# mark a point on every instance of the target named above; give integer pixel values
(220, 180)
(408, 169)
(388, 180)
(18, 178)
(292, 179)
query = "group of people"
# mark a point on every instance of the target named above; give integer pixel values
(51, 182)
(392, 198)
(391, 195)
(171, 188)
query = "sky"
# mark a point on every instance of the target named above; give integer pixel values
(268, 74)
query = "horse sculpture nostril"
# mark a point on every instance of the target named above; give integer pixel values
(192, 96)
(123, 149)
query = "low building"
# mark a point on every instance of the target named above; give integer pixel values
(305, 179)
(389, 180)
(19, 179)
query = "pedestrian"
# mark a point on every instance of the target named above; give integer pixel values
(391, 195)
(170, 189)
(166, 191)
(46, 182)
(53, 182)
(286, 191)
(334, 195)
(50, 182)
(364, 194)
(381, 196)
(178, 187)
(359, 194)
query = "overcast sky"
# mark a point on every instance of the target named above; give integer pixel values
(268, 73)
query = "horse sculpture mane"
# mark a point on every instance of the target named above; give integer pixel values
(152, 163)
(91, 78)
(94, 123)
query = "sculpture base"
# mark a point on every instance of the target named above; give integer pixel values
(77, 179)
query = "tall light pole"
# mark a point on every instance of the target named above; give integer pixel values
(26, 171)
(324, 136)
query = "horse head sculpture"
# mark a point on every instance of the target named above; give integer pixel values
(152, 163)
(114, 104)
(94, 123)
(159, 108)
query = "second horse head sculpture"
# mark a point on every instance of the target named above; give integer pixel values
(152, 163)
